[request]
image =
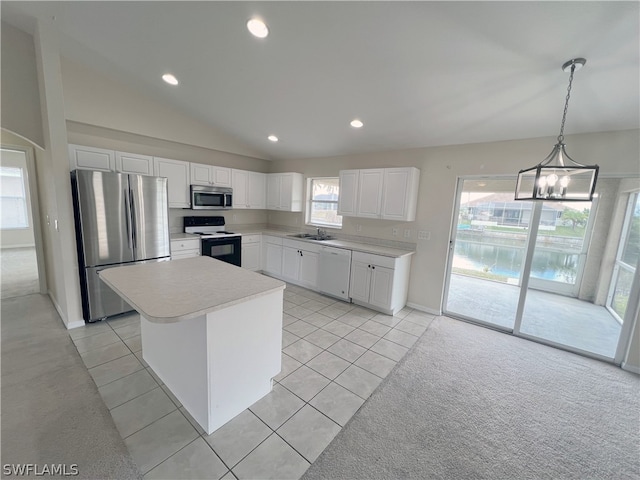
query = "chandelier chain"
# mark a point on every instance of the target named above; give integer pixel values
(566, 104)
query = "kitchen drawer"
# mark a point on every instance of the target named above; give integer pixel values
(273, 240)
(185, 254)
(251, 239)
(379, 260)
(186, 244)
(306, 246)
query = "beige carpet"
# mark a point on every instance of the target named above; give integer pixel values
(18, 272)
(469, 402)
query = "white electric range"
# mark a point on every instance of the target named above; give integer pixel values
(214, 240)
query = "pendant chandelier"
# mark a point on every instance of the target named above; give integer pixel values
(558, 177)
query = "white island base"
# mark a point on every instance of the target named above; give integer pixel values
(211, 331)
(220, 363)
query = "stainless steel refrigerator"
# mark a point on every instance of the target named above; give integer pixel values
(120, 220)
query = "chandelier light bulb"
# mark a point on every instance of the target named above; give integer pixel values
(564, 181)
(552, 179)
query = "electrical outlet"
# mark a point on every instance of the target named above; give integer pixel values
(235, 217)
(394, 232)
(359, 228)
(424, 235)
(407, 233)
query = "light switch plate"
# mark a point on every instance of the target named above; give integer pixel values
(407, 233)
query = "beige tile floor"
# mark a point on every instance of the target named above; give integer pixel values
(334, 355)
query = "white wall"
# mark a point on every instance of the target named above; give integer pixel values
(617, 153)
(20, 110)
(18, 237)
(93, 99)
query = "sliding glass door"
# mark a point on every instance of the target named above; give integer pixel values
(626, 260)
(551, 312)
(520, 267)
(487, 252)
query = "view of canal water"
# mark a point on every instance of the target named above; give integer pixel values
(499, 257)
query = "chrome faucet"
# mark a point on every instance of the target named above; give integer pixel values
(321, 233)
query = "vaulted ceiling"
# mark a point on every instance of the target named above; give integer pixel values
(416, 73)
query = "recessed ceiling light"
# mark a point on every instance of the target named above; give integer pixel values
(170, 79)
(258, 28)
(273, 138)
(356, 123)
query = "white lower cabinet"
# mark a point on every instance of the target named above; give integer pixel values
(185, 248)
(300, 263)
(251, 252)
(379, 282)
(272, 255)
(376, 281)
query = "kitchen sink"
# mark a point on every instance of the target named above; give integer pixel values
(308, 236)
(319, 237)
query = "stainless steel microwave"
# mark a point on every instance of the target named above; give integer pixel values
(205, 197)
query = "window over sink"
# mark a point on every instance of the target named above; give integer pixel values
(322, 202)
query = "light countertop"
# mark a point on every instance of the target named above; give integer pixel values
(183, 236)
(350, 245)
(177, 290)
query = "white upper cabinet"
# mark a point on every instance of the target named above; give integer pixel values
(202, 174)
(284, 191)
(400, 193)
(177, 173)
(387, 193)
(348, 199)
(134, 163)
(370, 193)
(239, 183)
(249, 189)
(257, 194)
(91, 158)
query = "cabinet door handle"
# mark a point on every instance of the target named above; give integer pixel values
(373, 268)
(368, 266)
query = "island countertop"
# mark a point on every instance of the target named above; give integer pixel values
(178, 290)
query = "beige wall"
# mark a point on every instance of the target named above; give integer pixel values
(617, 153)
(20, 109)
(94, 99)
(18, 237)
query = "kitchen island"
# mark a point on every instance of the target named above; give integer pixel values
(211, 331)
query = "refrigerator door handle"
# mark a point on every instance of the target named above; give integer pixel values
(133, 220)
(127, 215)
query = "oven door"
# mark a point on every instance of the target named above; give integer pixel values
(226, 249)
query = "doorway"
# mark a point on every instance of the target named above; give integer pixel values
(19, 273)
(518, 267)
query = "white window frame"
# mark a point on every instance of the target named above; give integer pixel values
(310, 203)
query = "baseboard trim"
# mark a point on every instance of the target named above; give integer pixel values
(630, 368)
(422, 308)
(9, 247)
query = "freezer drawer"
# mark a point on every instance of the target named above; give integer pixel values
(100, 300)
